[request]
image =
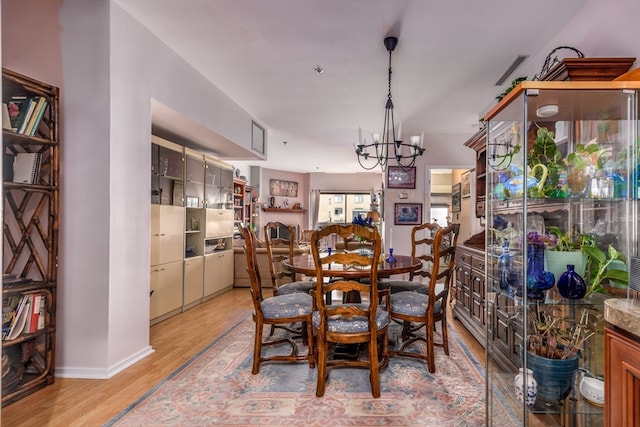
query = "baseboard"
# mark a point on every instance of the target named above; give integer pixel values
(103, 374)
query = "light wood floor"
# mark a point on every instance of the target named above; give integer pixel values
(76, 402)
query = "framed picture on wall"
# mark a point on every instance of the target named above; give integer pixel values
(398, 177)
(407, 214)
(456, 200)
(257, 138)
(466, 184)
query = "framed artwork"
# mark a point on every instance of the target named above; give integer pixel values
(398, 177)
(278, 187)
(466, 184)
(257, 138)
(456, 200)
(407, 214)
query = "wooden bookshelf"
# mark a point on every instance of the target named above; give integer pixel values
(31, 221)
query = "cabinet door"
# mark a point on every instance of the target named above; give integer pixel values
(193, 279)
(218, 272)
(195, 175)
(166, 289)
(226, 269)
(622, 385)
(219, 223)
(170, 176)
(167, 235)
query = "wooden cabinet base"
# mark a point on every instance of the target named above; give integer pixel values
(622, 378)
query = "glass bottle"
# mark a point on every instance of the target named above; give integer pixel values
(571, 285)
(505, 266)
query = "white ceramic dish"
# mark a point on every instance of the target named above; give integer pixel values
(592, 390)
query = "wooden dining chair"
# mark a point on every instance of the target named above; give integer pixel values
(276, 310)
(283, 281)
(423, 307)
(349, 323)
(422, 239)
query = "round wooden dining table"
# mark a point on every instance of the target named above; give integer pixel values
(304, 264)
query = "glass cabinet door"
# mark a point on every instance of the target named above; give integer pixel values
(195, 175)
(167, 169)
(561, 223)
(212, 184)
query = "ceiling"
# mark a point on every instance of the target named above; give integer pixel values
(263, 55)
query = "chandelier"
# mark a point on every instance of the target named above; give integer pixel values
(387, 145)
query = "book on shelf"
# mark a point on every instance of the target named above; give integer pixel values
(36, 116)
(17, 109)
(19, 320)
(31, 105)
(43, 314)
(10, 305)
(26, 167)
(31, 324)
(6, 120)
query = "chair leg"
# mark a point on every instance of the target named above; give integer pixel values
(257, 347)
(431, 360)
(445, 336)
(310, 345)
(322, 365)
(374, 374)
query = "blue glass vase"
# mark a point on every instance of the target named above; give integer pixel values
(571, 285)
(538, 280)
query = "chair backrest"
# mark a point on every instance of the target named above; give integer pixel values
(305, 236)
(441, 258)
(250, 243)
(447, 252)
(279, 275)
(356, 259)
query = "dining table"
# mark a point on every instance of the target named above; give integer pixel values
(305, 264)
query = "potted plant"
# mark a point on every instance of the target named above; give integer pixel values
(578, 163)
(597, 267)
(554, 346)
(545, 152)
(566, 251)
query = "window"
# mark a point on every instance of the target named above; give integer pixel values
(342, 207)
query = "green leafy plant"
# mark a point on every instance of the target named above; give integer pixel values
(598, 271)
(514, 83)
(567, 242)
(544, 151)
(583, 156)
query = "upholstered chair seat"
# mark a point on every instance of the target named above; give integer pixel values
(352, 325)
(295, 287)
(285, 306)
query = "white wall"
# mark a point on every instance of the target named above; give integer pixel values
(108, 68)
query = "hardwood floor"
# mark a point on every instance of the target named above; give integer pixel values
(77, 402)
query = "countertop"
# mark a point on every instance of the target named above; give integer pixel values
(623, 313)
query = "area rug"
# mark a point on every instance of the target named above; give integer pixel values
(216, 388)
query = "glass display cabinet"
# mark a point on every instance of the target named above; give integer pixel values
(561, 223)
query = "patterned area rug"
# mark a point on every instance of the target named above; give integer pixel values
(216, 388)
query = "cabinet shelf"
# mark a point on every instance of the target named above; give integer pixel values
(284, 210)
